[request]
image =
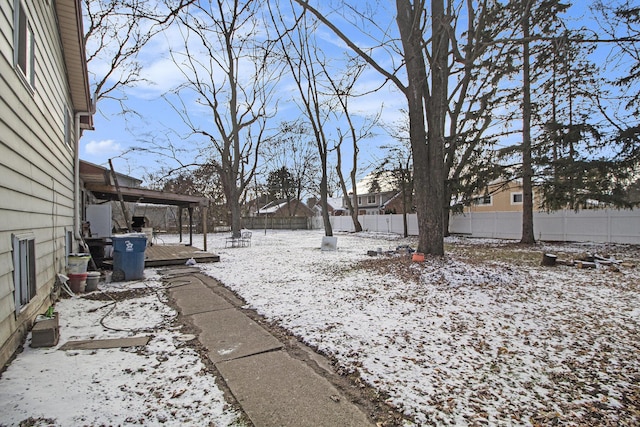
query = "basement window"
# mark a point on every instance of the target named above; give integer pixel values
(24, 269)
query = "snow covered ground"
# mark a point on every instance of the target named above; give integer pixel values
(163, 383)
(484, 336)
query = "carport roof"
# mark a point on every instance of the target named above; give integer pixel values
(142, 195)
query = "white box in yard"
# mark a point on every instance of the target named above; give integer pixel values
(329, 243)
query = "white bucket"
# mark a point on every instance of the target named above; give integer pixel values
(77, 263)
(148, 231)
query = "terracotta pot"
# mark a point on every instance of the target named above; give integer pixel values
(77, 282)
(418, 257)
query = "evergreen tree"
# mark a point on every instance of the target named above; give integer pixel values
(281, 185)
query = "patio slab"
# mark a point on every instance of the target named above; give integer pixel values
(194, 297)
(229, 334)
(276, 390)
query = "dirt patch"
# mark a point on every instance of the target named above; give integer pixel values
(40, 421)
(119, 295)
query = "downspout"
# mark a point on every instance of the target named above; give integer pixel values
(77, 224)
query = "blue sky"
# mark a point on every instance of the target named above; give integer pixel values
(119, 137)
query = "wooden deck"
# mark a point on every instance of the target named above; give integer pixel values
(159, 255)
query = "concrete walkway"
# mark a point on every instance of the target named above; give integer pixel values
(273, 388)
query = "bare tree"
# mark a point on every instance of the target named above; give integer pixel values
(115, 34)
(295, 152)
(478, 71)
(398, 165)
(228, 89)
(300, 53)
(426, 104)
(343, 90)
(427, 149)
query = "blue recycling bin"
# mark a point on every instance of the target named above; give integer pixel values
(128, 256)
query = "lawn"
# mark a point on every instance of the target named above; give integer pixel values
(482, 336)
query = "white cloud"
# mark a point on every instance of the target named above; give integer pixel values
(104, 146)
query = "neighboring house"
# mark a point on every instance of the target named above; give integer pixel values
(373, 192)
(285, 209)
(395, 205)
(633, 193)
(501, 196)
(250, 207)
(45, 104)
(334, 206)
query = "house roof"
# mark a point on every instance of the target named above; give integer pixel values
(272, 207)
(69, 13)
(392, 199)
(384, 179)
(275, 207)
(335, 202)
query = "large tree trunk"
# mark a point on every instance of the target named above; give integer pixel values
(527, 170)
(411, 36)
(324, 190)
(427, 155)
(233, 204)
(236, 220)
(436, 112)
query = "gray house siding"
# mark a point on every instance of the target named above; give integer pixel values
(36, 165)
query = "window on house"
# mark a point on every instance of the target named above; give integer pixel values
(483, 200)
(516, 198)
(24, 43)
(371, 200)
(24, 269)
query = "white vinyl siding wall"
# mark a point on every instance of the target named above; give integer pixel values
(36, 165)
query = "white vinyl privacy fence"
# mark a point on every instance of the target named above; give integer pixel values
(606, 225)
